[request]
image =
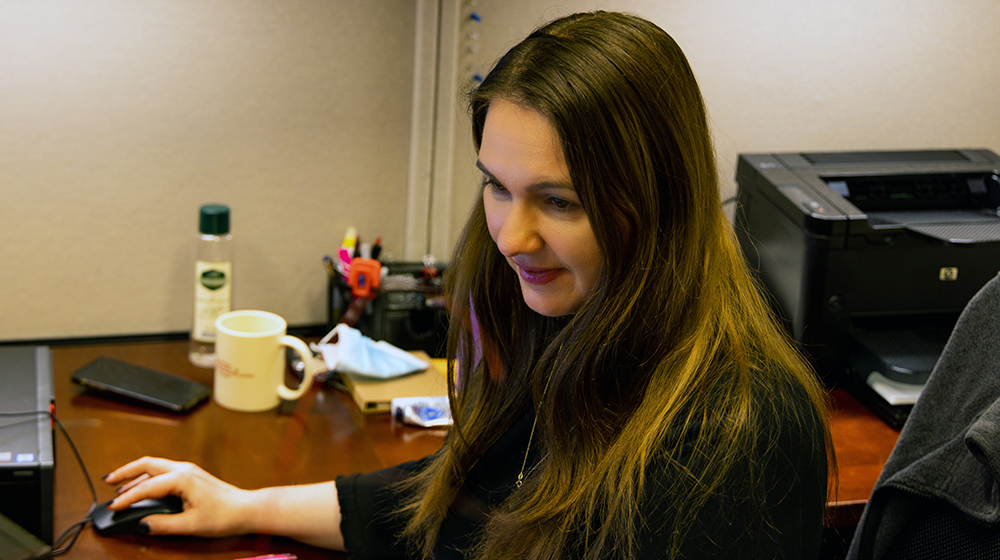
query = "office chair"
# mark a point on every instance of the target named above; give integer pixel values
(938, 495)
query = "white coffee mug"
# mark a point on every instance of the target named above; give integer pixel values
(250, 361)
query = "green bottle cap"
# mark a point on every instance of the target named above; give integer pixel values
(214, 219)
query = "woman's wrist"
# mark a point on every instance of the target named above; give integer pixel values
(308, 513)
(248, 512)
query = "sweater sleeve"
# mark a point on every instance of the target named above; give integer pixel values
(368, 504)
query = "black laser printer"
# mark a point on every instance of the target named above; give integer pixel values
(869, 257)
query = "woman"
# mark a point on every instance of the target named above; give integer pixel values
(598, 283)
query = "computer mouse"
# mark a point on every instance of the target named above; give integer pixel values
(126, 521)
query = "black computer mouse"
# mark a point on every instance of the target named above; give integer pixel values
(126, 521)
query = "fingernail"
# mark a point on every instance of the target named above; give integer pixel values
(105, 477)
(143, 528)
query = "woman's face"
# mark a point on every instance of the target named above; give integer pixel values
(533, 212)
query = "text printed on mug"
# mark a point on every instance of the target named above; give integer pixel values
(227, 370)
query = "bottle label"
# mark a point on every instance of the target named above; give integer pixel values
(212, 297)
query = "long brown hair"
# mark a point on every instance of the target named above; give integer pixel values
(674, 337)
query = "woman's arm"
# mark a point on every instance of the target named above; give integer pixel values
(212, 508)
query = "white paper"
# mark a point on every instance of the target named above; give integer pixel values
(894, 392)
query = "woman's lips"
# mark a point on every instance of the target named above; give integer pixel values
(538, 275)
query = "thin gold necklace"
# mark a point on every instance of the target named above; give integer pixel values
(531, 436)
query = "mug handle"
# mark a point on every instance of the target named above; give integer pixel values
(309, 371)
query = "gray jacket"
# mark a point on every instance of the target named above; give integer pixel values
(948, 453)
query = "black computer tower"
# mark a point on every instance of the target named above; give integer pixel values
(27, 454)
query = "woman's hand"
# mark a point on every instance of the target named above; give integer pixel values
(212, 508)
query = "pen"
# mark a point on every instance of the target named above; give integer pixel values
(330, 268)
(377, 248)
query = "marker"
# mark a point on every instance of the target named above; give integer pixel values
(346, 251)
(350, 238)
(345, 261)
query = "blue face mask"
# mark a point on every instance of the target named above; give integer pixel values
(346, 350)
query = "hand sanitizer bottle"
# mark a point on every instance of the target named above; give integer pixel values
(213, 281)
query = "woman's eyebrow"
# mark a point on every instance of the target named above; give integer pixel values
(541, 185)
(486, 172)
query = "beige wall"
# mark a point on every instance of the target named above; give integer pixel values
(793, 75)
(119, 118)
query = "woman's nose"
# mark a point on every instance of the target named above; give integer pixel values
(519, 232)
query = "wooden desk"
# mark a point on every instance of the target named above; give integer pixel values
(326, 436)
(862, 443)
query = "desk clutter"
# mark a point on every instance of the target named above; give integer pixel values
(400, 302)
(387, 319)
(376, 372)
(375, 396)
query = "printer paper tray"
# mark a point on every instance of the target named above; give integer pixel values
(952, 226)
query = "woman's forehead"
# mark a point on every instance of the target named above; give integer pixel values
(520, 144)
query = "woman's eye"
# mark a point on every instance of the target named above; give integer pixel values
(560, 203)
(493, 185)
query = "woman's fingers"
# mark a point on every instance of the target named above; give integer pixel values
(129, 485)
(151, 487)
(154, 478)
(175, 524)
(146, 465)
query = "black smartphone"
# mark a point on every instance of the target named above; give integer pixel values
(141, 385)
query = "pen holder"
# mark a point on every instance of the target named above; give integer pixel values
(408, 312)
(338, 298)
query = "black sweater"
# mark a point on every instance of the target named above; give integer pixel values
(794, 470)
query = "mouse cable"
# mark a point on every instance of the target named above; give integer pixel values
(74, 530)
